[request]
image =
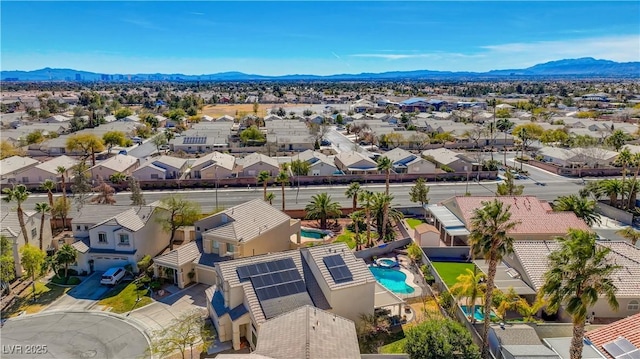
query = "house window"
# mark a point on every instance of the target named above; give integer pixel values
(34, 233)
(25, 179)
(77, 227)
(230, 248)
(124, 239)
(154, 176)
(102, 237)
(633, 305)
(216, 244)
(86, 228)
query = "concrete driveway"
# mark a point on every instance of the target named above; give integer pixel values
(159, 314)
(72, 335)
(83, 297)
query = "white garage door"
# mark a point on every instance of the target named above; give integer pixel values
(206, 276)
(105, 262)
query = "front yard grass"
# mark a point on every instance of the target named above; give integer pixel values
(449, 271)
(45, 293)
(413, 222)
(122, 298)
(348, 237)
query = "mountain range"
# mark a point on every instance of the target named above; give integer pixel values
(582, 68)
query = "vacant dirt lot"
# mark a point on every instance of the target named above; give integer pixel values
(238, 110)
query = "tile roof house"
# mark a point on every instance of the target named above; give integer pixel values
(117, 164)
(46, 170)
(263, 287)
(530, 260)
(305, 333)
(159, 168)
(454, 160)
(627, 328)
(517, 341)
(578, 157)
(255, 163)
(13, 165)
(406, 162)
(353, 162)
(248, 229)
(214, 165)
(319, 164)
(117, 235)
(10, 228)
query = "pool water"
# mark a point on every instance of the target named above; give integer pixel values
(477, 313)
(311, 234)
(392, 279)
(388, 262)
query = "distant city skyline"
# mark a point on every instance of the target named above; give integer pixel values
(320, 38)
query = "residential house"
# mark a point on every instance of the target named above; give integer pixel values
(46, 170)
(10, 228)
(319, 164)
(592, 157)
(160, 168)
(415, 105)
(11, 166)
(214, 165)
(361, 106)
(517, 341)
(530, 259)
(117, 164)
(353, 162)
(447, 158)
(306, 332)
(225, 118)
(255, 163)
(201, 142)
(406, 162)
(608, 339)
(56, 119)
(249, 229)
(112, 236)
(251, 291)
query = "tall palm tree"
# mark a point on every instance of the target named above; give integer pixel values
(43, 208)
(270, 197)
(282, 179)
(385, 165)
(624, 159)
(48, 185)
(356, 219)
(583, 207)
(61, 170)
(630, 234)
(352, 192)
(366, 198)
(469, 286)
(19, 194)
(504, 125)
(635, 162)
(264, 177)
(612, 188)
(66, 256)
(489, 238)
(578, 274)
(384, 215)
(322, 207)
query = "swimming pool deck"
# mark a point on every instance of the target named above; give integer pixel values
(413, 280)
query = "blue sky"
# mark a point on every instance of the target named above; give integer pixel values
(274, 38)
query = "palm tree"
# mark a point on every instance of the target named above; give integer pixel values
(270, 197)
(624, 159)
(48, 185)
(584, 208)
(43, 208)
(352, 192)
(469, 286)
(384, 214)
(356, 220)
(612, 188)
(635, 162)
(322, 207)
(264, 177)
(630, 234)
(19, 194)
(282, 179)
(366, 198)
(66, 255)
(61, 170)
(504, 302)
(504, 125)
(488, 238)
(579, 272)
(528, 311)
(385, 165)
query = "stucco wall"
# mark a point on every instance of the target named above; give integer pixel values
(353, 301)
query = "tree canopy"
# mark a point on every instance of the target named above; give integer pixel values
(440, 339)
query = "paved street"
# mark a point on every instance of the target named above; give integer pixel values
(72, 335)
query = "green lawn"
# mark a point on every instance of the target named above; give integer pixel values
(347, 237)
(449, 271)
(122, 298)
(396, 347)
(413, 222)
(45, 293)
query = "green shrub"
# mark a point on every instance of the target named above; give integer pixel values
(70, 272)
(73, 281)
(145, 263)
(155, 285)
(446, 168)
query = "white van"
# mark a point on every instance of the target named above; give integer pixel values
(112, 276)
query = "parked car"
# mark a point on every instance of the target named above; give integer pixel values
(137, 140)
(164, 147)
(113, 276)
(122, 152)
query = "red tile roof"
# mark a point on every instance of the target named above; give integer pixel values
(535, 216)
(628, 327)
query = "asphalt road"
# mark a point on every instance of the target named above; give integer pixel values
(70, 336)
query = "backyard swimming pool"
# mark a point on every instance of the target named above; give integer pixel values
(477, 313)
(311, 234)
(392, 279)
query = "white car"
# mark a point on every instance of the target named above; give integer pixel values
(112, 276)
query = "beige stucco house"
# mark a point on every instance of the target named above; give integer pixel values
(117, 164)
(355, 163)
(319, 164)
(10, 228)
(11, 166)
(163, 167)
(406, 162)
(255, 163)
(214, 165)
(46, 170)
(454, 160)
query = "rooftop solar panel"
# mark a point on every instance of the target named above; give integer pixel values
(337, 268)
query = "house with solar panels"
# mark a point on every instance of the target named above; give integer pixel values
(250, 291)
(201, 143)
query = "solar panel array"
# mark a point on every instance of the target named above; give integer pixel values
(621, 348)
(337, 268)
(194, 141)
(273, 279)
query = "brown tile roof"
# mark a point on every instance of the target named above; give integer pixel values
(534, 215)
(533, 255)
(628, 328)
(424, 228)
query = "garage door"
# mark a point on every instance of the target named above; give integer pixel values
(104, 263)
(206, 276)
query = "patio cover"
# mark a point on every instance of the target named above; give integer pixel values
(385, 298)
(506, 277)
